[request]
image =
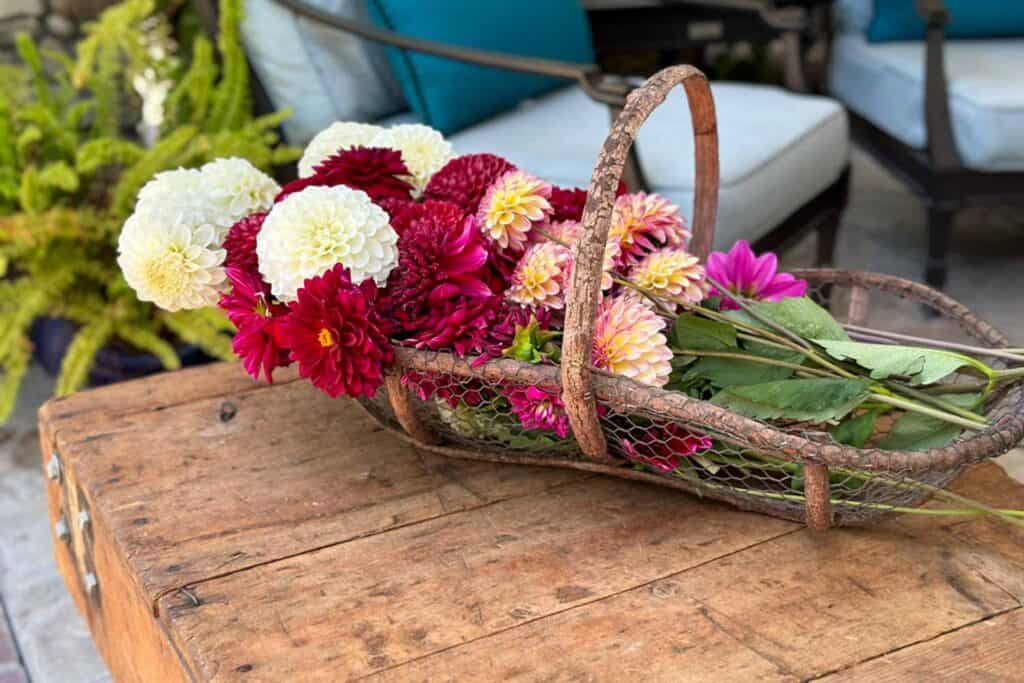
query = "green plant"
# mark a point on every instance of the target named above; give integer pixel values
(69, 175)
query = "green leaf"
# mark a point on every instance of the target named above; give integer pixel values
(815, 400)
(728, 372)
(799, 315)
(921, 366)
(916, 432)
(855, 431)
(702, 334)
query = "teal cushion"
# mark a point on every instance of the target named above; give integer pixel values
(898, 20)
(451, 95)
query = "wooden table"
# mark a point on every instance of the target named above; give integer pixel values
(244, 532)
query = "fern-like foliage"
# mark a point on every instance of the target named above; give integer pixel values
(74, 369)
(197, 328)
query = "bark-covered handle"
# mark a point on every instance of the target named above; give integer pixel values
(585, 289)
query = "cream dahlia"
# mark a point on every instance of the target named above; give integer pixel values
(424, 150)
(644, 222)
(338, 136)
(515, 203)
(174, 264)
(673, 274)
(628, 341)
(311, 231)
(542, 276)
(179, 194)
(235, 188)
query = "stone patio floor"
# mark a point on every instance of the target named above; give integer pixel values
(42, 637)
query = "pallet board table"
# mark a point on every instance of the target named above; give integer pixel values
(213, 529)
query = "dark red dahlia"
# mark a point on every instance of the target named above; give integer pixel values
(508, 319)
(464, 180)
(240, 243)
(335, 335)
(377, 171)
(394, 206)
(452, 390)
(249, 306)
(568, 202)
(663, 447)
(459, 323)
(441, 256)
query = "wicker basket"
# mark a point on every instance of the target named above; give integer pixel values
(796, 473)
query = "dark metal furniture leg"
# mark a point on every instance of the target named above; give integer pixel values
(940, 228)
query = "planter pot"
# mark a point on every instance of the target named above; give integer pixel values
(52, 336)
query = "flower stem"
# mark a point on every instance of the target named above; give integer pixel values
(1010, 374)
(753, 359)
(912, 407)
(749, 310)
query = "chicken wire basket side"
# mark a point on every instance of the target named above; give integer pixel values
(455, 407)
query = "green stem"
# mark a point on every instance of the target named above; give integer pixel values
(753, 359)
(1009, 374)
(749, 310)
(932, 400)
(912, 407)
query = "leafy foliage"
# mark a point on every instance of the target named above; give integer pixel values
(813, 400)
(796, 314)
(919, 366)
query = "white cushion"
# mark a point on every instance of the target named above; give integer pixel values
(325, 75)
(884, 83)
(777, 149)
(853, 15)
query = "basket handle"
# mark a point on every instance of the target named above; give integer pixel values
(585, 287)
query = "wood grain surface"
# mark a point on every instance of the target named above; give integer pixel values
(246, 532)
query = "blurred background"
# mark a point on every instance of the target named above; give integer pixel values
(884, 135)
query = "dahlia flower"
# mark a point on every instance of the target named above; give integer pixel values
(424, 150)
(180, 194)
(174, 264)
(258, 341)
(512, 206)
(460, 323)
(568, 203)
(542, 276)
(750, 276)
(450, 389)
(539, 408)
(464, 180)
(644, 222)
(240, 243)
(378, 172)
(663, 447)
(236, 188)
(672, 274)
(568, 232)
(507, 321)
(441, 256)
(337, 137)
(628, 341)
(334, 335)
(311, 231)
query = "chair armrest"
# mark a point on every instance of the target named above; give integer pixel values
(595, 84)
(939, 125)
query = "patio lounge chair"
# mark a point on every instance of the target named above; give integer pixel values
(784, 156)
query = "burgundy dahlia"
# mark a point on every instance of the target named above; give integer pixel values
(377, 171)
(464, 180)
(568, 202)
(335, 335)
(663, 447)
(452, 390)
(258, 342)
(459, 323)
(240, 243)
(508, 319)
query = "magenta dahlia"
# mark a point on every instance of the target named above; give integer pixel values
(464, 180)
(240, 243)
(259, 342)
(452, 390)
(509, 319)
(377, 171)
(459, 323)
(663, 447)
(335, 335)
(750, 276)
(539, 408)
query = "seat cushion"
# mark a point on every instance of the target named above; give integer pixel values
(899, 20)
(450, 95)
(777, 149)
(323, 74)
(884, 83)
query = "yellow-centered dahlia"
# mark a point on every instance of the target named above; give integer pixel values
(515, 203)
(542, 275)
(644, 222)
(628, 341)
(672, 274)
(568, 232)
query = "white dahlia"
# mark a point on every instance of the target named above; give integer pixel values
(331, 140)
(424, 150)
(312, 230)
(236, 188)
(178, 193)
(170, 262)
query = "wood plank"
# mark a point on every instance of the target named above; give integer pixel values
(189, 495)
(377, 602)
(989, 650)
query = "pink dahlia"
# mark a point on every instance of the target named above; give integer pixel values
(441, 256)
(628, 341)
(568, 232)
(673, 274)
(464, 180)
(750, 276)
(663, 447)
(643, 222)
(377, 171)
(249, 307)
(335, 335)
(452, 390)
(542, 276)
(240, 243)
(512, 206)
(540, 408)
(459, 323)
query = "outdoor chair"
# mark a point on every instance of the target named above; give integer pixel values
(947, 116)
(784, 155)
